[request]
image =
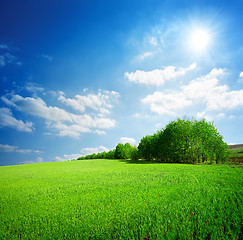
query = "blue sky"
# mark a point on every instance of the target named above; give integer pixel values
(78, 77)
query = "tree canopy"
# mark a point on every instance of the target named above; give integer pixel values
(185, 141)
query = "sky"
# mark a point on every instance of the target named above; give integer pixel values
(81, 76)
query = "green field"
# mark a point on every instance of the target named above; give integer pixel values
(112, 199)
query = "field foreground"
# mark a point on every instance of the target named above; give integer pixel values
(112, 199)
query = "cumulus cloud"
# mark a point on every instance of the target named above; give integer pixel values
(58, 119)
(8, 148)
(158, 76)
(166, 103)
(7, 120)
(208, 89)
(124, 140)
(241, 74)
(205, 90)
(101, 102)
(88, 151)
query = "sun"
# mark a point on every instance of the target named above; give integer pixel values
(200, 39)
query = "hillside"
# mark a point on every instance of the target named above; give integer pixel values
(236, 146)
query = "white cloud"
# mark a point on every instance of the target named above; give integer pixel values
(66, 123)
(8, 58)
(158, 76)
(227, 100)
(101, 102)
(138, 115)
(141, 57)
(210, 116)
(38, 160)
(68, 130)
(8, 148)
(124, 140)
(88, 151)
(206, 91)
(221, 115)
(166, 103)
(217, 97)
(37, 107)
(31, 87)
(99, 132)
(240, 80)
(153, 41)
(159, 125)
(7, 120)
(28, 151)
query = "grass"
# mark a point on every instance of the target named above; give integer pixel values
(112, 199)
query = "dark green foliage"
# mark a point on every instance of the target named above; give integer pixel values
(134, 153)
(146, 148)
(119, 151)
(185, 141)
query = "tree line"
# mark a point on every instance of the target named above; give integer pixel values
(122, 151)
(181, 141)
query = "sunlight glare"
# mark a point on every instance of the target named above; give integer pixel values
(200, 40)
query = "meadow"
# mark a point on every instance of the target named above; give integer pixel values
(115, 199)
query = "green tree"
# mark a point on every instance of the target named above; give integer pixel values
(123, 151)
(185, 141)
(192, 141)
(146, 148)
(134, 153)
(111, 154)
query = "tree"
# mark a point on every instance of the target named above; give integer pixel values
(193, 141)
(134, 153)
(111, 154)
(123, 151)
(146, 148)
(185, 141)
